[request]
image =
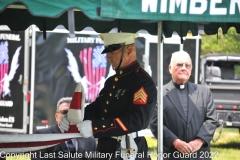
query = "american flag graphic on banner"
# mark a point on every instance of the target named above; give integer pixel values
(3, 64)
(94, 64)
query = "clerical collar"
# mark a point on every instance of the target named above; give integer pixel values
(180, 86)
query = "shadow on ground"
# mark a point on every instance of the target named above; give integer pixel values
(226, 145)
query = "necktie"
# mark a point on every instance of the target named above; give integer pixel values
(71, 147)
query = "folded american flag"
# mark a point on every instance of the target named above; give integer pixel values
(23, 143)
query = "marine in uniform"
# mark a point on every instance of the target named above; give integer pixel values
(124, 105)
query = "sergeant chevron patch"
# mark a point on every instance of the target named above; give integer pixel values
(140, 96)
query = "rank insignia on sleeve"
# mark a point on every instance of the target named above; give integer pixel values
(140, 96)
(121, 124)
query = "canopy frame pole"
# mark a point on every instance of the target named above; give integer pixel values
(44, 28)
(197, 60)
(32, 87)
(71, 23)
(119, 25)
(160, 92)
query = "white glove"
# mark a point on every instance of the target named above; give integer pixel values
(85, 128)
(64, 124)
(75, 116)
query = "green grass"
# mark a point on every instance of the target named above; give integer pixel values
(228, 144)
(225, 148)
(18, 158)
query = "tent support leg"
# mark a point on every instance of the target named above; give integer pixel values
(160, 91)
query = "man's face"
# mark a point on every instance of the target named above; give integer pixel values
(115, 57)
(62, 110)
(181, 68)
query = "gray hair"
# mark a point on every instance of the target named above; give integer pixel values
(174, 55)
(63, 100)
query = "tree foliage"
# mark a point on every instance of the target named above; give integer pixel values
(228, 43)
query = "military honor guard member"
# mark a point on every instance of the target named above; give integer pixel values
(123, 107)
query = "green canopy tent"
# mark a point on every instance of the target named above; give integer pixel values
(18, 15)
(178, 15)
(103, 15)
(211, 14)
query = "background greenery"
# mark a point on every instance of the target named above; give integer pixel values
(221, 43)
(228, 43)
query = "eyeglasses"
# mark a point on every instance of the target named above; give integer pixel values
(180, 65)
(63, 112)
